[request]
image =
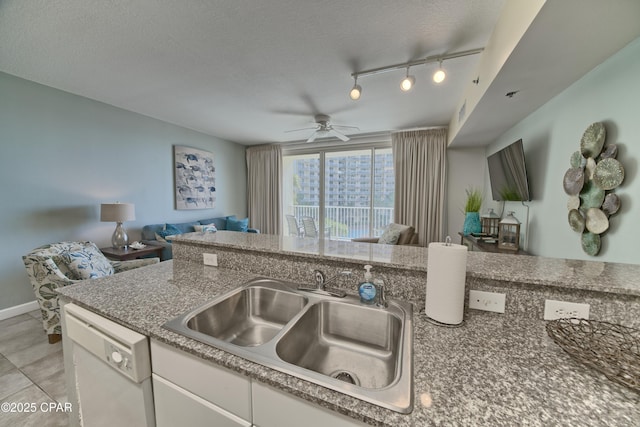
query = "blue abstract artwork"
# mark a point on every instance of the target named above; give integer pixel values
(194, 177)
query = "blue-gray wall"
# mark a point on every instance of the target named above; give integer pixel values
(610, 93)
(61, 155)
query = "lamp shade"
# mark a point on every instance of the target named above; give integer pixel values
(117, 212)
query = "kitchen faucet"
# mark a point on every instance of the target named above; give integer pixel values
(381, 299)
(322, 282)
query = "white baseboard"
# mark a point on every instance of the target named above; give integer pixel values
(17, 310)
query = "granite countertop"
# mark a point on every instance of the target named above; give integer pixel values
(494, 370)
(616, 278)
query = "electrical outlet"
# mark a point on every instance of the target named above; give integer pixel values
(562, 309)
(488, 301)
(210, 259)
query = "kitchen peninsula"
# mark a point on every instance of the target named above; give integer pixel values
(497, 369)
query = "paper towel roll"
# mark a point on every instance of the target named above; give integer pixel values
(446, 274)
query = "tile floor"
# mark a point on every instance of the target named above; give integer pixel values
(31, 371)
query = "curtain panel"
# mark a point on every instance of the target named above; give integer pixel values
(264, 178)
(420, 163)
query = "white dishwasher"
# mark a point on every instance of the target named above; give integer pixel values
(108, 371)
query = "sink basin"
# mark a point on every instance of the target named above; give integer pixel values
(355, 344)
(249, 317)
(338, 343)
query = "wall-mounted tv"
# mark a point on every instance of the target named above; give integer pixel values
(508, 174)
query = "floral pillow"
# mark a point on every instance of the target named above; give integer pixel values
(208, 228)
(391, 234)
(88, 263)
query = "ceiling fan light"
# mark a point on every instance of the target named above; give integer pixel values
(355, 92)
(407, 83)
(439, 75)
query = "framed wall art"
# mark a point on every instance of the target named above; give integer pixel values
(194, 177)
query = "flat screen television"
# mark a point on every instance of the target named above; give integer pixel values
(508, 174)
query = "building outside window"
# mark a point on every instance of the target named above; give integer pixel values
(349, 193)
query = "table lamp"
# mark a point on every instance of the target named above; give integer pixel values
(118, 213)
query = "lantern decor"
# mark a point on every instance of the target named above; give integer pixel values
(509, 233)
(490, 223)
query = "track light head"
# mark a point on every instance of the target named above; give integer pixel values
(407, 83)
(356, 90)
(439, 75)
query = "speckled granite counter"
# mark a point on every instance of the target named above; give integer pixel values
(496, 370)
(526, 270)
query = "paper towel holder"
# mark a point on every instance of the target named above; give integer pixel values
(433, 321)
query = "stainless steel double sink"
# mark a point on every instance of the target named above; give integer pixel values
(339, 343)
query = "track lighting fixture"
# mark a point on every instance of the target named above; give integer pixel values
(408, 82)
(356, 90)
(439, 75)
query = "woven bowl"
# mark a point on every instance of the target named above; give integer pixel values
(609, 348)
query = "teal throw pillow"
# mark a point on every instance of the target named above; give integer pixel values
(169, 230)
(234, 224)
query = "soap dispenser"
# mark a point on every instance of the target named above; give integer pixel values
(367, 289)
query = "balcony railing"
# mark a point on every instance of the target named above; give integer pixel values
(345, 223)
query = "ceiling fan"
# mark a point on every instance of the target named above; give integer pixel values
(324, 129)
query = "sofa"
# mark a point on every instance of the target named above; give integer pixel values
(151, 232)
(394, 234)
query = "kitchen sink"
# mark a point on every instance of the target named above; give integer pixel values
(248, 317)
(360, 350)
(355, 344)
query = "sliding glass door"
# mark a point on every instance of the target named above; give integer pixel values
(347, 193)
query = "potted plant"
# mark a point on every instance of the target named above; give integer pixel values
(472, 212)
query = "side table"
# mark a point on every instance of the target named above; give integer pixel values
(129, 253)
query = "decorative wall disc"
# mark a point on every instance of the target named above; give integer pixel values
(593, 140)
(576, 221)
(608, 174)
(573, 202)
(589, 168)
(573, 181)
(609, 152)
(577, 161)
(591, 196)
(611, 204)
(597, 221)
(591, 243)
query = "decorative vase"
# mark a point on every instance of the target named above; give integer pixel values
(471, 223)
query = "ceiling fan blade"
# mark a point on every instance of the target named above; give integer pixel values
(340, 135)
(313, 137)
(346, 127)
(297, 130)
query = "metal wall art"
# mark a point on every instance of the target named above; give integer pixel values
(195, 178)
(590, 183)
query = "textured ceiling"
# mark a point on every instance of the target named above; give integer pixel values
(247, 71)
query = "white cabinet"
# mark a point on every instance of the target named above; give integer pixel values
(274, 408)
(177, 407)
(185, 385)
(190, 391)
